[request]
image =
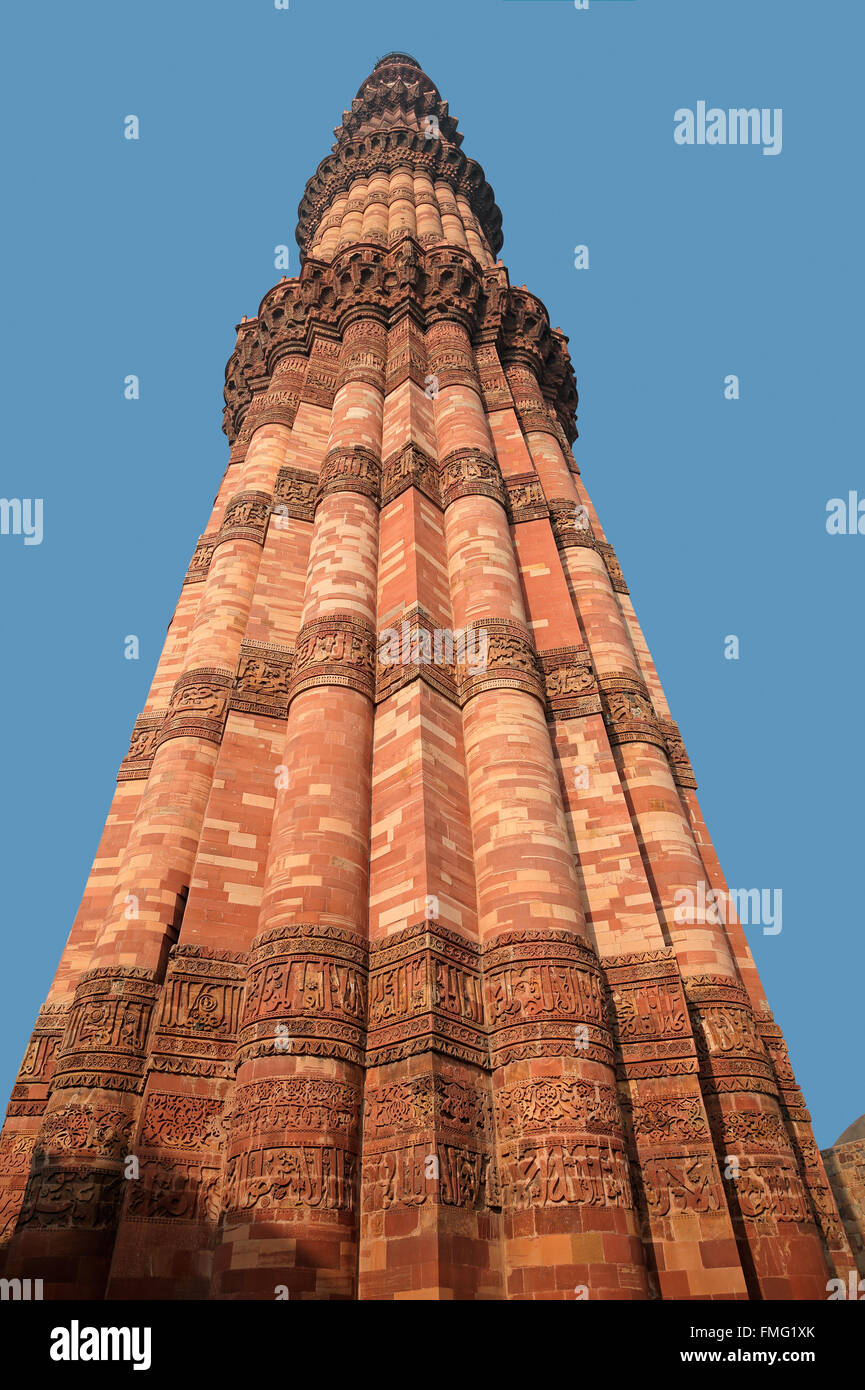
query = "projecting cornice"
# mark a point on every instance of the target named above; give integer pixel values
(440, 282)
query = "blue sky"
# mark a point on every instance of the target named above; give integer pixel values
(140, 257)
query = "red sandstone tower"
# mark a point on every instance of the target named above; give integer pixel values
(378, 987)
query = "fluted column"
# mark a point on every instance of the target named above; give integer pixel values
(768, 1205)
(293, 1147)
(568, 1214)
(100, 1067)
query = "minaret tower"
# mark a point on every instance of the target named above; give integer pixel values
(379, 987)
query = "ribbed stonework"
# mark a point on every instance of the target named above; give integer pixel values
(378, 988)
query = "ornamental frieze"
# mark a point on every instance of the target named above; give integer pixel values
(571, 524)
(199, 1013)
(498, 654)
(320, 1177)
(769, 1189)
(675, 1120)
(363, 355)
(306, 992)
(414, 646)
(729, 1046)
(142, 746)
(425, 994)
(647, 996)
(198, 705)
(174, 1121)
(313, 1105)
(83, 1198)
(570, 682)
(680, 763)
(263, 679)
(545, 996)
(628, 710)
(681, 1183)
(38, 1062)
(752, 1131)
(294, 495)
(562, 1174)
(493, 382)
(792, 1099)
(471, 473)
(172, 1190)
(107, 1028)
(450, 356)
(350, 470)
(440, 1174)
(16, 1154)
(337, 650)
(272, 407)
(526, 501)
(614, 570)
(246, 517)
(102, 1131)
(201, 558)
(557, 1104)
(409, 467)
(424, 1103)
(406, 356)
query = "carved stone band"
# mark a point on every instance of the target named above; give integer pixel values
(306, 983)
(263, 679)
(425, 994)
(471, 473)
(198, 705)
(498, 654)
(571, 684)
(142, 746)
(570, 523)
(106, 1031)
(538, 986)
(628, 710)
(200, 562)
(337, 650)
(731, 1051)
(246, 518)
(526, 501)
(350, 470)
(199, 1014)
(294, 495)
(409, 467)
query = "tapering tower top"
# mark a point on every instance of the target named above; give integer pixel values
(398, 134)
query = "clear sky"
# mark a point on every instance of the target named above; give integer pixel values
(140, 257)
